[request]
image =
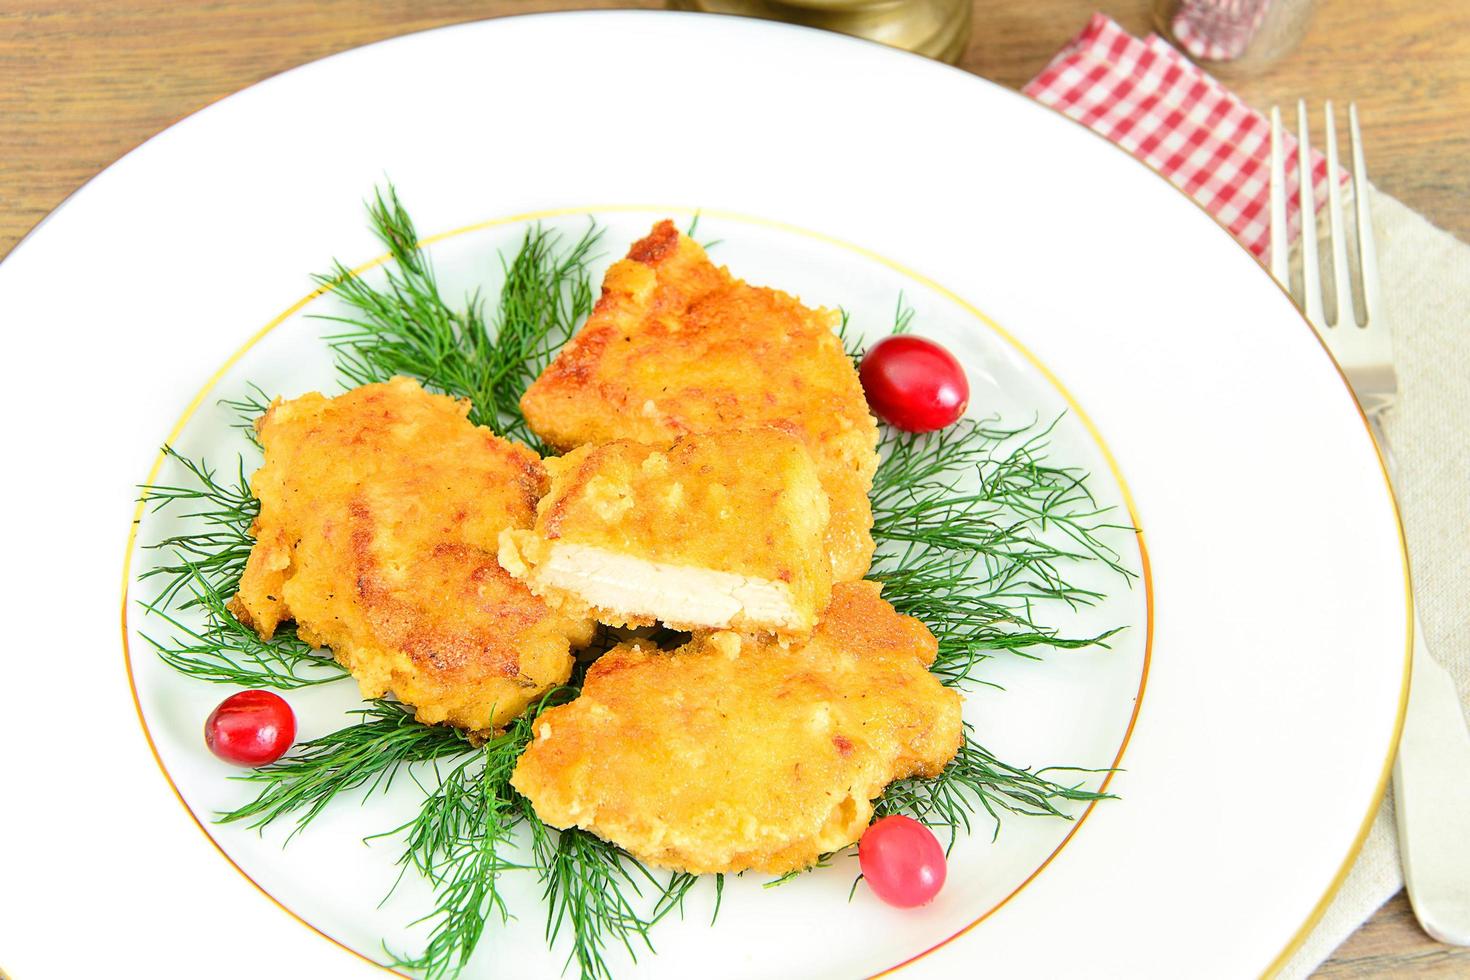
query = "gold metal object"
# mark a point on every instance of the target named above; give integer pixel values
(935, 28)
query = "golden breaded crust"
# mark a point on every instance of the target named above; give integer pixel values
(675, 345)
(380, 513)
(734, 753)
(745, 503)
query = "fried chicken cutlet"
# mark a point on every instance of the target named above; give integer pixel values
(380, 513)
(676, 345)
(720, 530)
(735, 753)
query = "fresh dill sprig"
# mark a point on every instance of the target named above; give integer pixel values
(903, 314)
(213, 549)
(852, 342)
(456, 842)
(201, 572)
(693, 231)
(368, 752)
(248, 408)
(977, 534)
(547, 294)
(406, 326)
(823, 861)
(974, 528)
(226, 651)
(586, 884)
(676, 889)
(977, 779)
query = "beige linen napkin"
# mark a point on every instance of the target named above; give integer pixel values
(1426, 292)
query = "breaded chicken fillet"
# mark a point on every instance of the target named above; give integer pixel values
(675, 345)
(380, 514)
(720, 530)
(735, 753)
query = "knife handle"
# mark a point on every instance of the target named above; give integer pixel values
(1431, 785)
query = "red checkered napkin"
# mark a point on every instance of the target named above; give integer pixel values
(1152, 101)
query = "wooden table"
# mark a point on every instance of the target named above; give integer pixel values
(81, 83)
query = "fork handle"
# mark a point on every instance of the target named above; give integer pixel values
(1431, 785)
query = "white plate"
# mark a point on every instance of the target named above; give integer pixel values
(1278, 593)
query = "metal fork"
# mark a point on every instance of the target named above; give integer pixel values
(1431, 776)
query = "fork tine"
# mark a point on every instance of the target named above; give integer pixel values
(1311, 271)
(1280, 259)
(1367, 251)
(1341, 277)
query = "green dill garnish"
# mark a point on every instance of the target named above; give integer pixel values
(903, 315)
(201, 571)
(407, 327)
(851, 341)
(368, 753)
(457, 840)
(974, 528)
(226, 651)
(823, 861)
(977, 779)
(589, 887)
(211, 551)
(977, 534)
(676, 889)
(693, 230)
(248, 408)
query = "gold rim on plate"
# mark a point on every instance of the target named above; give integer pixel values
(1145, 569)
